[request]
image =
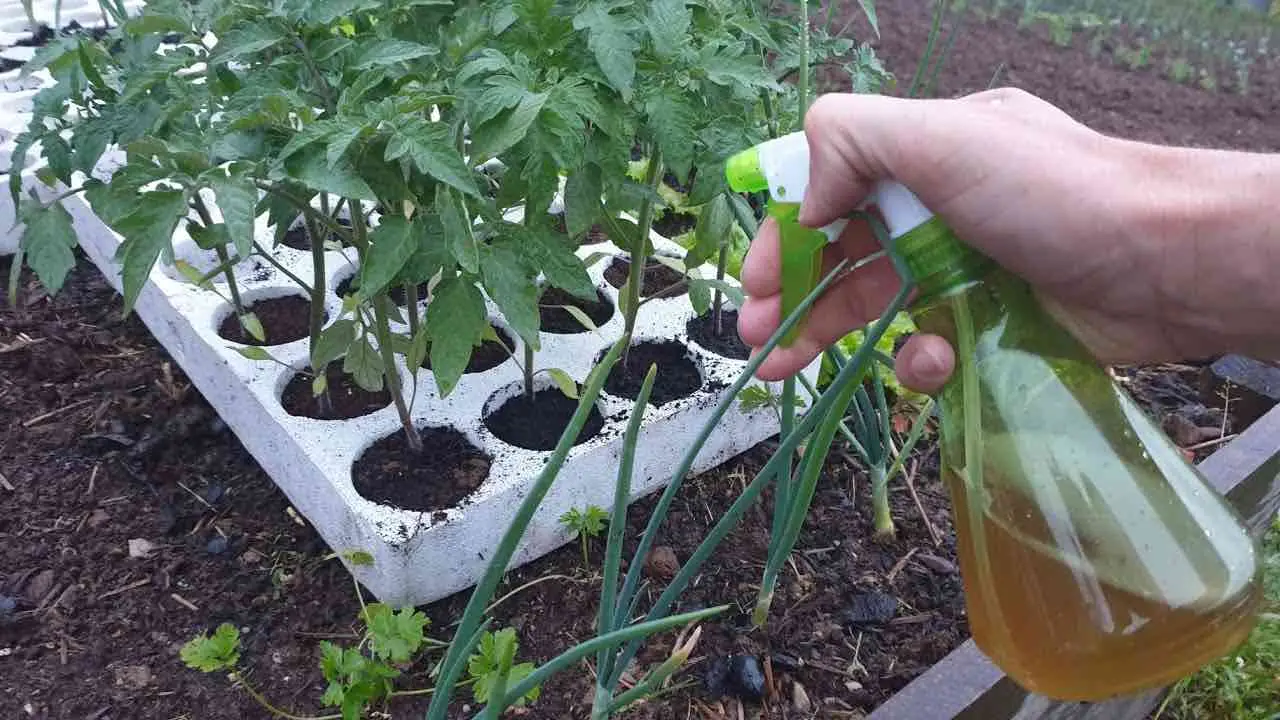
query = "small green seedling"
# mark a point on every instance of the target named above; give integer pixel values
(211, 653)
(493, 667)
(585, 524)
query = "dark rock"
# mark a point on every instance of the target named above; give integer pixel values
(214, 492)
(715, 678)
(785, 662)
(942, 566)
(217, 545)
(870, 609)
(7, 605)
(737, 676)
(662, 564)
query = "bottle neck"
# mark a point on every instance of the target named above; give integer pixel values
(938, 261)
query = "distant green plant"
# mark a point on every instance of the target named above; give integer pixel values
(493, 667)
(1246, 684)
(586, 524)
(1180, 71)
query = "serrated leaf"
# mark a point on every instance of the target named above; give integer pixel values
(869, 9)
(359, 558)
(485, 666)
(315, 132)
(340, 141)
(673, 121)
(668, 24)
(253, 352)
(332, 343)
(736, 71)
(253, 326)
(508, 128)
(390, 246)
(564, 382)
(211, 653)
(237, 200)
(456, 319)
(88, 143)
(154, 23)
(381, 53)
(191, 274)
(732, 292)
(311, 168)
(57, 153)
(394, 636)
(364, 365)
(562, 268)
(147, 231)
(699, 296)
(364, 82)
(328, 48)
(47, 241)
(457, 230)
(245, 40)
(507, 280)
(614, 49)
(582, 193)
(432, 251)
(714, 229)
(431, 148)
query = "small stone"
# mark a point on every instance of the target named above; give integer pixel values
(98, 518)
(214, 492)
(140, 548)
(7, 605)
(1185, 433)
(942, 566)
(746, 679)
(716, 677)
(217, 545)
(853, 686)
(252, 557)
(134, 677)
(39, 586)
(662, 564)
(786, 662)
(870, 609)
(800, 699)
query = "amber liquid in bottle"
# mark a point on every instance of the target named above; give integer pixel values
(1096, 561)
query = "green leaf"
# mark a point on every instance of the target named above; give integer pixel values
(732, 292)
(432, 250)
(341, 141)
(245, 40)
(431, 147)
(211, 653)
(736, 71)
(457, 230)
(673, 121)
(508, 128)
(507, 280)
(714, 228)
(332, 342)
(668, 25)
(156, 23)
(312, 169)
(47, 241)
(564, 382)
(390, 246)
(548, 252)
(359, 558)
(237, 199)
(613, 47)
(255, 353)
(58, 154)
(380, 53)
(89, 142)
(147, 231)
(364, 82)
(364, 365)
(456, 319)
(419, 346)
(485, 665)
(869, 9)
(699, 296)
(395, 636)
(319, 385)
(582, 192)
(328, 48)
(583, 319)
(253, 326)
(314, 132)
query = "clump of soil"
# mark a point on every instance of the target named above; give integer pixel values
(538, 423)
(673, 224)
(346, 399)
(488, 356)
(595, 236)
(284, 320)
(677, 377)
(442, 475)
(658, 278)
(728, 343)
(558, 321)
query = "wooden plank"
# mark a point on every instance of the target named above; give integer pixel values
(966, 685)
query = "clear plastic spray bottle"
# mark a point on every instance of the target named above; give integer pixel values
(1097, 561)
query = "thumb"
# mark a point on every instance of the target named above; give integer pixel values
(854, 141)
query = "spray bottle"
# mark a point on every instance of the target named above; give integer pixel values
(1096, 560)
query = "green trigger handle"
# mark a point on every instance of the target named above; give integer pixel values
(801, 250)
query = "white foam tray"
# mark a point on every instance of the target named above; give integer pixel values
(423, 556)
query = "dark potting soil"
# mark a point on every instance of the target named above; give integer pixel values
(672, 224)
(674, 183)
(298, 238)
(284, 319)
(346, 399)
(728, 343)
(5, 66)
(677, 377)
(396, 292)
(488, 356)
(440, 476)
(538, 423)
(657, 278)
(131, 450)
(558, 321)
(38, 38)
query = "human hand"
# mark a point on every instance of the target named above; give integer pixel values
(1138, 250)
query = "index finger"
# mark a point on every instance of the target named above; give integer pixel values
(762, 268)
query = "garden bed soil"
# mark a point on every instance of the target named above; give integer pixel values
(487, 356)
(659, 279)
(104, 441)
(346, 399)
(441, 475)
(674, 224)
(558, 321)
(677, 377)
(284, 320)
(702, 330)
(536, 423)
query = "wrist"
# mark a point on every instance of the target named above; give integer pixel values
(1206, 219)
